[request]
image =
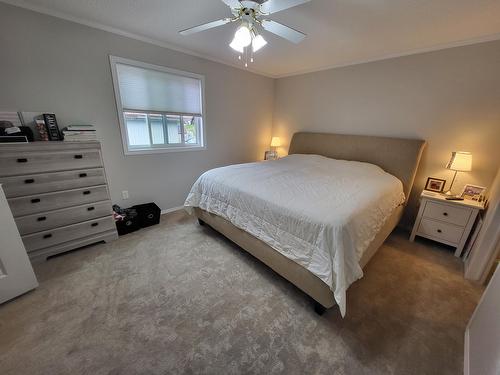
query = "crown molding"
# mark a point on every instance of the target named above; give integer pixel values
(437, 47)
(117, 31)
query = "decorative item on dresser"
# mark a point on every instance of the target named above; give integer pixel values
(58, 194)
(446, 221)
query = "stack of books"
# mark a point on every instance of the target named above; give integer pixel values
(79, 133)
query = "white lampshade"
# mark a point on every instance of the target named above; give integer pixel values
(234, 45)
(258, 42)
(242, 38)
(275, 142)
(460, 161)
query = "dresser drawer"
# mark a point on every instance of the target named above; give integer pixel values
(53, 237)
(450, 214)
(440, 230)
(18, 186)
(22, 163)
(52, 201)
(66, 216)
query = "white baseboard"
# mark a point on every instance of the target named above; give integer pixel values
(168, 210)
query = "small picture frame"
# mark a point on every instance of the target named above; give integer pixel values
(435, 184)
(473, 192)
(270, 155)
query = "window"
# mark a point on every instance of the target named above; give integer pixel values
(160, 109)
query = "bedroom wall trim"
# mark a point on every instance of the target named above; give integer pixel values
(173, 209)
(118, 31)
(415, 51)
(174, 47)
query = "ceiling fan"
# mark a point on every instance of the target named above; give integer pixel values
(251, 14)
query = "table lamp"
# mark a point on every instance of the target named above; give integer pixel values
(460, 161)
(275, 143)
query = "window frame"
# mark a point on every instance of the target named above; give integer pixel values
(155, 149)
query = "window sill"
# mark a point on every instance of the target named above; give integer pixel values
(145, 151)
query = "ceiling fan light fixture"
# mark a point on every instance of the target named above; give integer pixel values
(242, 38)
(258, 42)
(237, 47)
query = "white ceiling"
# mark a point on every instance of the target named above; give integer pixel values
(340, 32)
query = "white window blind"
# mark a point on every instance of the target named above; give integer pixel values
(146, 89)
(160, 109)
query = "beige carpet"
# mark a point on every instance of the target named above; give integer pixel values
(178, 298)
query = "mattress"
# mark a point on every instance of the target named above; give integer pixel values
(319, 212)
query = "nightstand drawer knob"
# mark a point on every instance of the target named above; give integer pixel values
(445, 213)
(439, 231)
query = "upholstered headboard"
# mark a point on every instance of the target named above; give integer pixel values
(397, 156)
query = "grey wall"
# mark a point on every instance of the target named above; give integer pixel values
(451, 98)
(48, 64)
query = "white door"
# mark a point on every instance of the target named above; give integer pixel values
(16, 273)
(482, 336)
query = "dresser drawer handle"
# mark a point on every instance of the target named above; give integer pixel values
(90, 208)
(445, 213)
(22, 160)
(78, 156)
(48, 235)
(35, 200)
(94, 224)
(41, 218)
(29, 180)
(86, 192)
(439, 231)
(82, 175)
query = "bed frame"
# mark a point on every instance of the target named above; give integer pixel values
(397, 156)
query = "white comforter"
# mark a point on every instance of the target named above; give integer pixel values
(322, 213)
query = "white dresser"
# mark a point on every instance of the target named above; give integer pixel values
(446, 221)
(58, 195)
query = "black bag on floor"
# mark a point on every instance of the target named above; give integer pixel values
(130, 221)
(147, 214)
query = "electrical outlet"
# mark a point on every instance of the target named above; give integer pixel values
(125, 194)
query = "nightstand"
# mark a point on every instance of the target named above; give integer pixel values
(445, 221)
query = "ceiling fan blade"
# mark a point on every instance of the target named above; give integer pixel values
(232, 3)
(283, 31)
(273, 6)
(205, 26)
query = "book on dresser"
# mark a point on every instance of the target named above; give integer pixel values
(58, 195)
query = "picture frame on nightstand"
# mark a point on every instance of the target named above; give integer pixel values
(270, 155)
(473, 192)
(435, 184)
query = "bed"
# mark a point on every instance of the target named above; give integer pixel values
(317, 216)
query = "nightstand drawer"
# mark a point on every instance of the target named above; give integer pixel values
(450, 214)
(443, 231)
